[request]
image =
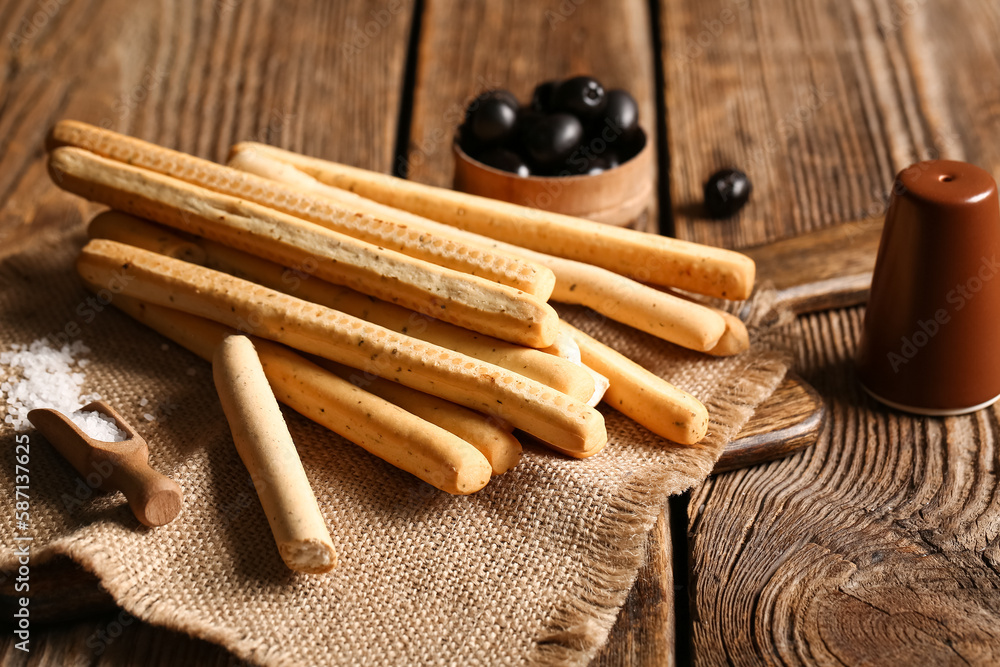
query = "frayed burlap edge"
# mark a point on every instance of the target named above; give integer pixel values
(129, 593)
(578, 629)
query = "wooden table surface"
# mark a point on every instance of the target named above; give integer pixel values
(877, 546)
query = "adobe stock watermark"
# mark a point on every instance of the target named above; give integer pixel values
(711, 30)
(872, 215)
(794, 120)
(127, 103)
(561, 14)
(899, 14)
(958, 297)
(597, 146)
(443, 133)
(362, 36)
(29, 26)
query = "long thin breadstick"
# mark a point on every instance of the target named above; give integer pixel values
(535, 364)
(648, 399)
(442, 249)
(664, 315)
(656, 259)
(122, 227)
(265, 445)
(562, 422)
(435, 455)
(496, 443)
(736, 338)
(464, 300)
(567, 348)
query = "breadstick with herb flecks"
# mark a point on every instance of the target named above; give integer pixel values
(659, 259)
(653, 311)
(563, 423)
(648, 399)
(462, 299)
(437, 456)
(559, 374)
(268, 452)
(438, 248)
(486, 434)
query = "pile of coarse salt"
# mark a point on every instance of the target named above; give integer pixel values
(98, 426)
(41, 376)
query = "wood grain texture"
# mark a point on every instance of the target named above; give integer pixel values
(878, 545)
(821, 270)
(789, 420)
(466, 48)
(643, 634)
(197, 77)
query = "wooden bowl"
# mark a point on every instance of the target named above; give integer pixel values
(619, 196)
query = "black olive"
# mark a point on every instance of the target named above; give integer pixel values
(494, 94)
(541, 99)
(582, 96)
(526, 119)
(505, 160)
(621, 113)
(552, 139)
(630, 145)
(492, 121)
(726, 191)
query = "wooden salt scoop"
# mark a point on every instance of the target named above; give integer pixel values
(123, 466)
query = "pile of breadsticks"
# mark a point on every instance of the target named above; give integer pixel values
(401, 316)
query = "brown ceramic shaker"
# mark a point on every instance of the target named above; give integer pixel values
(930, 339)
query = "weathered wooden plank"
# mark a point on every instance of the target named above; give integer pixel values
(828, 268)
(878, 545)
(320, 77)
(644, 631)
(787, 421)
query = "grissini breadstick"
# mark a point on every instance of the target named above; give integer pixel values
(441, 249)
(405, 440)
(142, 234)
(567, 348)
(266, 448)
(664, 315)
(564, 423)
(526, 361)
(649, 257)
(556, 373)
(736, 338)
(648, 399)
(496, 443)
(394, 435)
(464, 300)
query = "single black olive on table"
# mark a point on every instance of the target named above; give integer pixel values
(541, 98)
(726, 191)
(505, 160)
(621, 113)
(553, 138)
(582, 96)
(492, 121)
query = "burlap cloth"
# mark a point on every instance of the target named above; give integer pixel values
(532, 569)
